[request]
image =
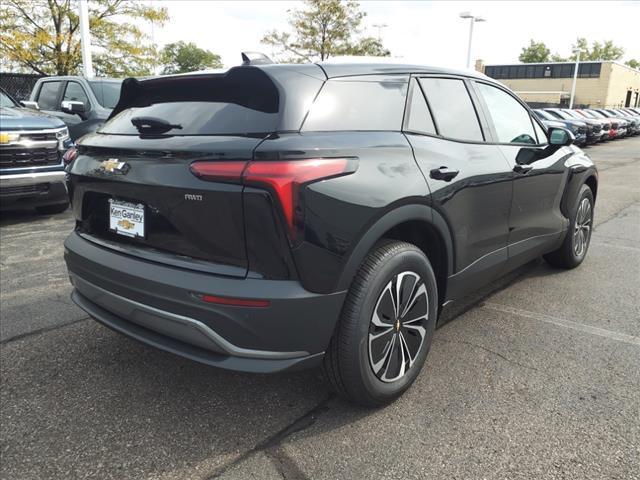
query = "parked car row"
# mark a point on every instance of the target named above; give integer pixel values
(593, 125)
(32, 149)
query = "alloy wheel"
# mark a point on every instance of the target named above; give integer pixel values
(398, 326)
(582, 228)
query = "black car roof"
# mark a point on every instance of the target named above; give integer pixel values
(333, 70)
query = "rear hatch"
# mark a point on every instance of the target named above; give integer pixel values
(131, 184)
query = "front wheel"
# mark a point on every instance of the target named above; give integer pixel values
(576, 243)
(386, 327)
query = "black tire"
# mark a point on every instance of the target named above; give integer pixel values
(348, 364)
(574, 247)
(52, 209)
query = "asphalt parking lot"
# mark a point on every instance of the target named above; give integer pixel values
(537, 376)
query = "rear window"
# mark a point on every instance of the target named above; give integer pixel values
(107, 93)
(359, 103)
(241, 102)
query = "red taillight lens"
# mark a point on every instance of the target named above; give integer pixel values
(283, 178)
(228, 171)
(70, 155)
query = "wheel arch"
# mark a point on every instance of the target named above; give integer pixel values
(416, 224)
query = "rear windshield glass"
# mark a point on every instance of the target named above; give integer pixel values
(107, 93)
(357, 103)
(241, 102)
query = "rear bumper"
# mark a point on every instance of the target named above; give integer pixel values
(33, 189)
(155, 304)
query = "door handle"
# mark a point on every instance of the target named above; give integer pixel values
(443, 173)
(522, 168)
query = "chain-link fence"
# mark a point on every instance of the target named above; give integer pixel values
(19, 85)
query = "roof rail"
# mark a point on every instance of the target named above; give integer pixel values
(255, 58)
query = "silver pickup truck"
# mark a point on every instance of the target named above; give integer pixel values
(32, 146)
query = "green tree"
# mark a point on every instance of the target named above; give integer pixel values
(535, 52)
(598, 51)
(633, 63)
(181, 57)
(323, 29)
(44, 36)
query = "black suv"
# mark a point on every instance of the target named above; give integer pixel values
(286, 216)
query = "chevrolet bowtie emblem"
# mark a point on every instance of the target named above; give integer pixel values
(113, 165)
(126, 224)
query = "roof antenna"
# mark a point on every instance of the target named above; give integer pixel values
(255, 58)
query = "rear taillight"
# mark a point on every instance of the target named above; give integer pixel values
(283, 178)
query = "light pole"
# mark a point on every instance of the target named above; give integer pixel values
(380, 26)
(575, 77)
(472, 19)
(85, 40)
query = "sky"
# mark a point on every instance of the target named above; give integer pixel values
(425, 32)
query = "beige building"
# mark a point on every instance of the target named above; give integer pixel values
(602, 84)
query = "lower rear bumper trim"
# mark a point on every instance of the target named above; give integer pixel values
(100, 302)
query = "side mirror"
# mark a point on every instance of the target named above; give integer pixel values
(73, 107)
(560, 136)
(28, 104)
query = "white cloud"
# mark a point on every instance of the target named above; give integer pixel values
(422, 32)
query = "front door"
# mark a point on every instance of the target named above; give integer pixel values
(469, 179)
(535, 221)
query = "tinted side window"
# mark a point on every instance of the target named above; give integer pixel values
(510, 119)
(76, 93)
(419, 116)
(48, 95)
(358, 105)
(452, 109)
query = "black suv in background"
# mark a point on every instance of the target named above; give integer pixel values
(32, 146)
(83, 105)
(288, 216)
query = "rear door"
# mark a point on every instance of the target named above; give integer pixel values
(469, 179)
(539, 172)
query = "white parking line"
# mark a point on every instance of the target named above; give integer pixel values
(619, 337)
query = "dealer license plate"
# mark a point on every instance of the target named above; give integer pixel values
(126, 218)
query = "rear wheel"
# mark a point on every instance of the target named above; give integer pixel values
(576, 243)
(52, 209)
(386, 327)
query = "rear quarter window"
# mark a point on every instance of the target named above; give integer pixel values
(359, 103)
